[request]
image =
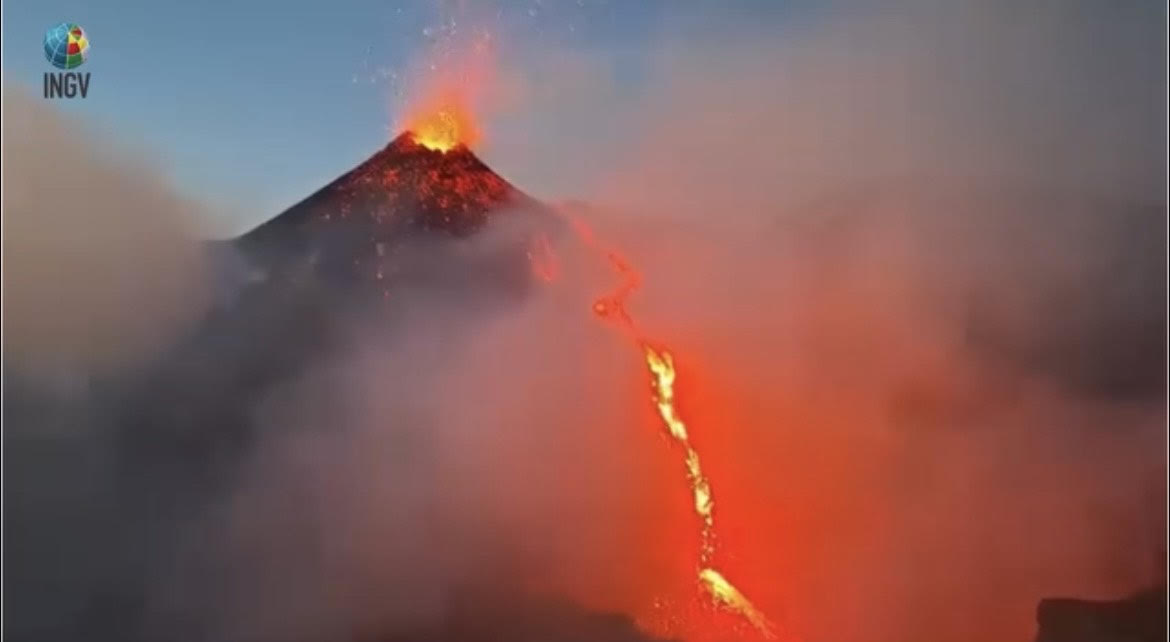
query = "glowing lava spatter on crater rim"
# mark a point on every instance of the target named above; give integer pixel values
(444, 127)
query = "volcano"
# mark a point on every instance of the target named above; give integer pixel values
(412, 239)
(369, 225)
(412, 230)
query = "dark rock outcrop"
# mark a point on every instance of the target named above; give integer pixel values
(1138, 618)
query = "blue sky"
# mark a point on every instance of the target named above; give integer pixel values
(251, 105)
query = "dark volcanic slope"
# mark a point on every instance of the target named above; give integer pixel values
(397, 227)
(404, 194)
(407, 186)
(400, 228)
(122, 486)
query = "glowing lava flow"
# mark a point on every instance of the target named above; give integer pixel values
(660, 363)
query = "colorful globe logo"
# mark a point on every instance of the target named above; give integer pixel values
(66, 45)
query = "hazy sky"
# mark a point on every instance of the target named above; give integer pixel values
(252, 105)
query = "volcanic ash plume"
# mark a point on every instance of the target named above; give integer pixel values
(911, 266)
(82, 223)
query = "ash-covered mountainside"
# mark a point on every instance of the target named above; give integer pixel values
(406, 186)
(411, 238)
(378, 222)
(410, 233)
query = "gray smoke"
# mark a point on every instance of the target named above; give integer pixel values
(103, 264)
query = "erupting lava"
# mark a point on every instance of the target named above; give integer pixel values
(660, 364)
(444, 127)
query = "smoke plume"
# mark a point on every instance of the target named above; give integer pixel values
(102, 260)
(912, 259)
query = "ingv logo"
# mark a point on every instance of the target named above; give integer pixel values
(66, 47)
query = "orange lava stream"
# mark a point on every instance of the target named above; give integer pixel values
(660, 364)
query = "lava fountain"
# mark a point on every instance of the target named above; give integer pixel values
(444, 126)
